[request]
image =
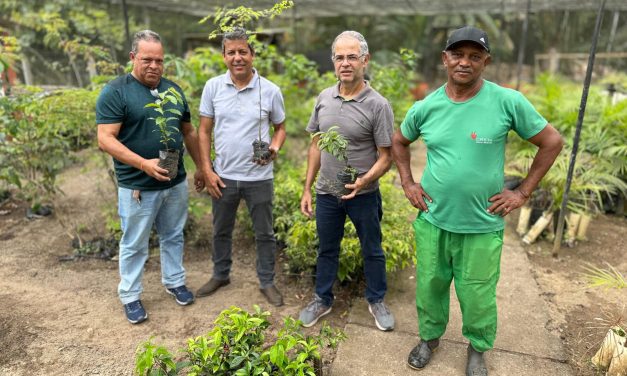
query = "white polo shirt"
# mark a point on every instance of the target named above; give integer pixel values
(236, 116)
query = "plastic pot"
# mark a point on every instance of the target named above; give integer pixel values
(346, 176)
(169, 159)
(261, 151)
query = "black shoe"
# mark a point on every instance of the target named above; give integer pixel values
(420, 355)
(475, 365)
(273, 295)
(212, 286)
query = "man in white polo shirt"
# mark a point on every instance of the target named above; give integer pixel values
(236, 108)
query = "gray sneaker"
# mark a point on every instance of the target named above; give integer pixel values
(315, 309)
(382, 316)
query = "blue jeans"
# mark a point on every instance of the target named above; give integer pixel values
(167, 210)
(258, 196)
(365, 211)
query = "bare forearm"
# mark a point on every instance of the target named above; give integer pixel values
(204, 144)
(112, 146)
(191, 144)
(381, 166)
(278, 138)
(313, 165)
(549, 144)
(402, 159)
(539, 167)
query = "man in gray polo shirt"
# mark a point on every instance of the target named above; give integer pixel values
(233, 107)
(366, 120)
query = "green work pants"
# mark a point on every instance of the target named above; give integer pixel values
(473, 261)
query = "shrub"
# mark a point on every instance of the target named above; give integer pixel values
(394, 81)
(37, 131)
(72, 111)
(237, 345)
(32, 149)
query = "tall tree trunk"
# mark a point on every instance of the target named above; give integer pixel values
(523, 45)
(146, 14)
(610, 42)
(77, 73)
(26, 70)
(427, 71)
(126, 29)
(91, 67)
(564, 32)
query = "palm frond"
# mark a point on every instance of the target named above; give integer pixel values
(606, 278)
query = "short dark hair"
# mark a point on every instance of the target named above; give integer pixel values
(145, 35)
(238, 33)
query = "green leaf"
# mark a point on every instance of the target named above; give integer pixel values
(235, 362)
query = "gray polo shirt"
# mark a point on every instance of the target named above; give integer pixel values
(235, 114)
(367, 122)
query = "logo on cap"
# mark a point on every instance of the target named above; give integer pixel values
(470, 34)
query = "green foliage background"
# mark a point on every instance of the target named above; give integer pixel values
(38, 132)
(601, 169)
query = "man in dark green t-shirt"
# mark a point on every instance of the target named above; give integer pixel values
(146, 195)
(461, 198)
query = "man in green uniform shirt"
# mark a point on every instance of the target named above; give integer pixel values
(461, 198)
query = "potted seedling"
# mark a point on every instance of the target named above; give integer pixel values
(168, 158)
(335, 144)
(261, 149)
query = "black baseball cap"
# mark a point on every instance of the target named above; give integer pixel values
(468, 34)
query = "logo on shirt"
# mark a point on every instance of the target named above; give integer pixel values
(480, 140)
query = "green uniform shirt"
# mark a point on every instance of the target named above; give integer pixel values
(122, 101)
(466, 152)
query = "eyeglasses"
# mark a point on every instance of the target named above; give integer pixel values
(350, 58)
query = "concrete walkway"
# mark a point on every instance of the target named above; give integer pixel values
(523, 345)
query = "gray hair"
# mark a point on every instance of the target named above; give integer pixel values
(145, 35)
(238, 33)
(363, 45)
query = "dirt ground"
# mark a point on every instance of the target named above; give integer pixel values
(582, 315)
(60, 318)
(64, 318)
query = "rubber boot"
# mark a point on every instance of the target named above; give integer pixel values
(475, 365)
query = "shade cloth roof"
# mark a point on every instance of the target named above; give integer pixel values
(328, 8)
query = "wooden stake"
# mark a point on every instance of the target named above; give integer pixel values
(538, 227)
(523, 220)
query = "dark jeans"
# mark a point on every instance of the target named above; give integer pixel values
(365, 211)
(258, 196)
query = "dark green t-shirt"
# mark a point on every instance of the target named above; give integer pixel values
(466, 152)
(122, 101)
